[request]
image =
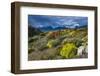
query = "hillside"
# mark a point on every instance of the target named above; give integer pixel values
(33, 31)
(57, 44)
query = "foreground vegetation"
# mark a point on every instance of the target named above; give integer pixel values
(59, 44)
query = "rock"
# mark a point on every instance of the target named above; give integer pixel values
(85, 52)
(82, 51)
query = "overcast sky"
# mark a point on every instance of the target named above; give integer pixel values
(44, 20)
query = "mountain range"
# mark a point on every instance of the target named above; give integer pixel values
(53, 28)
(48, 23)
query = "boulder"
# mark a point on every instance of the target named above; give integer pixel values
(82, 51)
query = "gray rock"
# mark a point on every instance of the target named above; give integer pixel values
(82, 51)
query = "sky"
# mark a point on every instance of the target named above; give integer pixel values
(39, 21)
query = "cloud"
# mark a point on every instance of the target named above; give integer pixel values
(69, 22)
(76, 24)
(55, 21)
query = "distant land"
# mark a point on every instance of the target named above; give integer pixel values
(50, 28)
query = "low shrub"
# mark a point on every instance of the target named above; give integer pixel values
(53, 43)
(68, 50)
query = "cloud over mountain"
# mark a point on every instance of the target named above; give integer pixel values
(44, 21)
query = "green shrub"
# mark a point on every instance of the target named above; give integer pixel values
(32, 39)
(78, 42)
(68, 50)
(50, 43)
(53, 43)
(30, 50)
(43, 48)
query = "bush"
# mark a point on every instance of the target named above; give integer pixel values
(32, 39)
(30, 50)
(78, 42)
(68, 50)
(53, 43)
(43, 48)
